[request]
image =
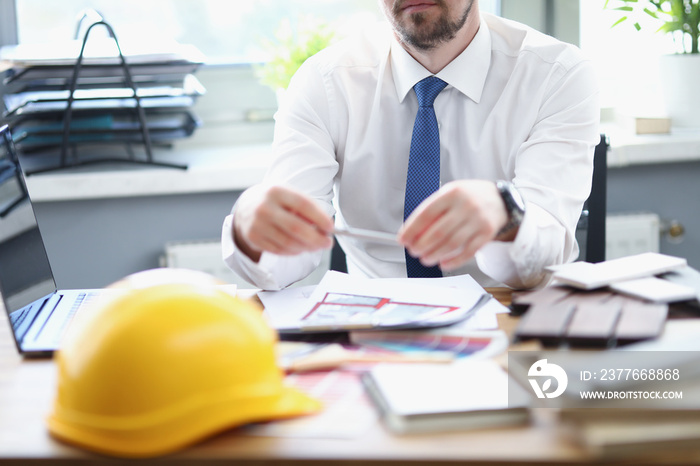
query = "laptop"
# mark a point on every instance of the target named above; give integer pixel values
(39, 314)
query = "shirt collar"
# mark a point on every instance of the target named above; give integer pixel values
(466, 73)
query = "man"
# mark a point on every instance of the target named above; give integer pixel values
(517, 117)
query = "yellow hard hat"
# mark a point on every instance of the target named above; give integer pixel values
(165, 361)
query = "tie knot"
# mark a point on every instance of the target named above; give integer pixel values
(428, 89)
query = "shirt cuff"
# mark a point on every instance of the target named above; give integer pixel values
(287, 269)
(520, 264)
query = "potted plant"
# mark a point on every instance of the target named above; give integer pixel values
(290, 50)
(679, 72)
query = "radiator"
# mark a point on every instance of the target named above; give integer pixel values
(631, 233)
(205, 256)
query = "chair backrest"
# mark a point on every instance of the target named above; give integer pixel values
(591, 223)
(595, 209)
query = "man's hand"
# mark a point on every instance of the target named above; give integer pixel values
(451, 225)
(279, 220)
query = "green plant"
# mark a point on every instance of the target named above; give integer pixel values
(290, 50)
(680, 18)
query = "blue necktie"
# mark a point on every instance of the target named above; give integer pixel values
(423, 176)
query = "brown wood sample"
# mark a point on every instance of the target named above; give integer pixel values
(593, 324)
(640, 321)
(547, 322)
(522, 300)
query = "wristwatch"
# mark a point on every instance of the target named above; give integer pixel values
(515, 206)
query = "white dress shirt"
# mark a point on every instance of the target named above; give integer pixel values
(518, 106)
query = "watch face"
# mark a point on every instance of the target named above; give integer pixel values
(513, 201)
(517, 198)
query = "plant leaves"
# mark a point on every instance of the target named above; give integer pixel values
(674, 16)
(619, 21)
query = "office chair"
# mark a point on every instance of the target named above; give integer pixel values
(590, 230)
(591, 225)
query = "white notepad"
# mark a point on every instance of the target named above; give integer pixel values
(441, 397)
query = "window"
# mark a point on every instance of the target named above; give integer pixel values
(236, 108)
(225, 30)
(626, 59)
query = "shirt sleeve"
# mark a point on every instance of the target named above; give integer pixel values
(304, 159)
(272, 271)
(553, 172)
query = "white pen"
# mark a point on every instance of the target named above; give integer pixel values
(367, 235)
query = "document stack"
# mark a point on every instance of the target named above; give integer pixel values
(68, 100)
(639, 400)
(421, 398)
(651, 405)
(639, 393)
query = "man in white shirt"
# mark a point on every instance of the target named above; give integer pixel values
(518, 117)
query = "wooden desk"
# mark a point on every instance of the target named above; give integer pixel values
(27, 389)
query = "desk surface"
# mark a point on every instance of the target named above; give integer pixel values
(27, 388)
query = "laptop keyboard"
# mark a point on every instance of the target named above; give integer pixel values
(59, 326)
(80, 300)
(17, 318)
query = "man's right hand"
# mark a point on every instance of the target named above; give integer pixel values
(281, 221)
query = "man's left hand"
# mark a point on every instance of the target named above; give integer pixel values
(451, 225)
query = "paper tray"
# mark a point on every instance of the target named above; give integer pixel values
(49, 101)
(105, 128)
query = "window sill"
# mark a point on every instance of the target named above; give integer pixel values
(210, 169)
(626, 148)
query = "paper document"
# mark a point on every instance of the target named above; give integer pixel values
(100, 52)
(344, 302)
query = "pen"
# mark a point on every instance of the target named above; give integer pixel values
(367, 235)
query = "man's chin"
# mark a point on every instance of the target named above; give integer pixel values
(421, 36)
(419, 24)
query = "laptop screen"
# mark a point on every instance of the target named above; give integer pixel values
(25, 273)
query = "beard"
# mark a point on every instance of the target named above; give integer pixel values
(419, 32)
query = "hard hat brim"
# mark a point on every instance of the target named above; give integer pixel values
(194, 426)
